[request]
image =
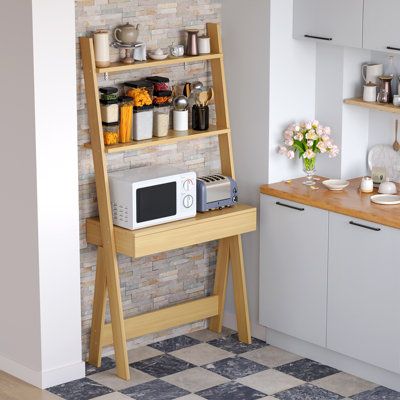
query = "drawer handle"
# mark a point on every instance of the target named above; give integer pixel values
(365, 226)
(393, 48)
(278, 203)
(318, 37)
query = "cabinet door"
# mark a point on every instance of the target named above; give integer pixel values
(293, 269)
(364, 291)
(381, 25)
(338, 22)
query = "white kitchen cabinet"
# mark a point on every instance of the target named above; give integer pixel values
(293, 269)
(339, 22)
(381, 25)
(364, 291)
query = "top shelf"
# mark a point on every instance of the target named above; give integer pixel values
(373, 105)
(121, 67)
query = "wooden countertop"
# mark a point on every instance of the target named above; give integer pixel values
(349, 202)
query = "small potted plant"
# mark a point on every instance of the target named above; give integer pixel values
(308, 139)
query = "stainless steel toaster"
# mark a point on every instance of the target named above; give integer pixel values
(216, 191)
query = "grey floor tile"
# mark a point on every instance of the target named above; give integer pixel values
(155, 390)
(379, 393)
(307, 392)
(161, 366)
(235, 367)
(231, 391)
(81, 389)
(173, 344)
(232, 344)
(307, 370)
(106, 363)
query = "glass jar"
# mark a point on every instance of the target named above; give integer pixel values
(162, 98)
(161, 120)
(125, 119)
(108, 93)
(140, 91)
(160, 83)
(110, 133)
(109, 110)
(142, 127)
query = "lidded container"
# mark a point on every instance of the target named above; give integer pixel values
(161, 120)
(108, 93)
(161, 93)
(125, 119)
(140, 91)
(142, 127)
(110, 133)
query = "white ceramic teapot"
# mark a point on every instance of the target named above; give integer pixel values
(126, 34)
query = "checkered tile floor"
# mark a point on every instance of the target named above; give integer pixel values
(204, 365)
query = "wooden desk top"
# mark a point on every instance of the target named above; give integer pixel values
(349, 202)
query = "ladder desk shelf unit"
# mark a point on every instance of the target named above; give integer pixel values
(225, 225)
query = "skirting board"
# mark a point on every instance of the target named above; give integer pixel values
(325, 356)
(43, 379)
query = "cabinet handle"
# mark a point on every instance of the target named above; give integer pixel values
(365, 226)
(278, 203)
(318, 37)
(393, 48)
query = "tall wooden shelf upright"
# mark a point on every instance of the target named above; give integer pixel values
(224, 225)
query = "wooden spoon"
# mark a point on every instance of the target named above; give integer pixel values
(396, 144)
(210, 94)
(203, 97)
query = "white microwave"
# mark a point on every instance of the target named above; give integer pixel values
(143, 197)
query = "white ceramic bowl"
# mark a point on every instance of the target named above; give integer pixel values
(336, 184)
(158, 57)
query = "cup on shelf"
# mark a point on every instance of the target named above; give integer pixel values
(369, 93)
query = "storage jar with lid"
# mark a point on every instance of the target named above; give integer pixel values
(108, 93)
(142, 127)
(110, 133)
(161, 120)
(160, 83)
(109, 110)
(125, 119)
(140, 91)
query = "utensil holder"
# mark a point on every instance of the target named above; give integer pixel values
(181, 120)
(200, 118)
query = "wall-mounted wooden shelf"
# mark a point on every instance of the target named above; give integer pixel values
(120, 67)
(390, 108)
(173, 137)
(204, 227)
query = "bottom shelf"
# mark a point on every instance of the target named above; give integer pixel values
(204, 227)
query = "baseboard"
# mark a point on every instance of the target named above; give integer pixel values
(350, 365)
(43, 379)
(257, 331)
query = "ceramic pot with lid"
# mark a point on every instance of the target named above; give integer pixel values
(126, 34)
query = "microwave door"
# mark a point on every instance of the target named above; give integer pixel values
(155, 202)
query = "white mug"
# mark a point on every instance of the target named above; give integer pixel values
(370, 72)
(369, 92)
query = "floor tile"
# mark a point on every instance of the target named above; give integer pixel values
(191, 396)
(174, 344)
(379, 393)
(271, 356)
(205, 335)
(142, 353)
(231, 391)
(307, 392)
(270, 381)
(307, 370)
(201, 354)
(110, 379)
(235, 367)
(155, 390)
(344, 384)
(81, 389)
(161, 366)
(106, 363)
(195, 379)
(232, 344)
(113, 396)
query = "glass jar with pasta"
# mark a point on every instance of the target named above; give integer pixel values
(125, 119)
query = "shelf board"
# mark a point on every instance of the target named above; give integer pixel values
(121, 67)
(204, 227)
(173, 137)
(373, 106)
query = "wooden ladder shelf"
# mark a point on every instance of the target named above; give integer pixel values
(224, 225)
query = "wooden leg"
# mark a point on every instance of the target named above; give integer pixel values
(117, 316)
(99, 311)
(220, 282)
(239, 288)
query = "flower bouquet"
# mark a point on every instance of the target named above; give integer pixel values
(308, 139)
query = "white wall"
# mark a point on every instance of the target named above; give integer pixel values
(40, 285)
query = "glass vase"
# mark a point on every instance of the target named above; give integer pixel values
(309, 169)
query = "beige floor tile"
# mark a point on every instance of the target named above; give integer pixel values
(271, 356)
(142, 353)
(344, 384)
(205, 335)
(110, 379)
(115, 396)
(270, 381)
(195, 379)
(192, 397)
(201, 354)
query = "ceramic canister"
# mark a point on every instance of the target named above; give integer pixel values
(181, 120)
(101, 48)
(369, 92)
(203, 45)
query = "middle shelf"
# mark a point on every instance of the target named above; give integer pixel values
(171, 138)
(204, 227)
